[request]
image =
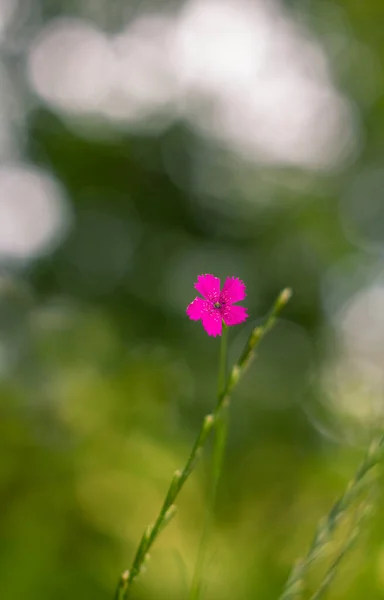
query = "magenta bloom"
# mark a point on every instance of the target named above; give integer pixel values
(218, 306)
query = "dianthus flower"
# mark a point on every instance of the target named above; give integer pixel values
(217, 306)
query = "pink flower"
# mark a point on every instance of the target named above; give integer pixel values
(218, 306)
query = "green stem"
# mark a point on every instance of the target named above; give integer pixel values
(353, 534)
(223, 361)
(294, 586)
(221, 432)
(168, 508)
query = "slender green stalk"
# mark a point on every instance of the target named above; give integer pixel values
(361, 514)
(294, 586)
(221, 432)
(168, 508)
(223, 361)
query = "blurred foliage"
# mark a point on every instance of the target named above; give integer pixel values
(104, 381)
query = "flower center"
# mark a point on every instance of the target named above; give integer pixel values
(217, 305)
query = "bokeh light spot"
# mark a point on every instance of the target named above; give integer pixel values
(34, 214)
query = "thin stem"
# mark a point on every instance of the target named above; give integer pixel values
(360, 515)
(221, 432)
(168, 508)
(223, 361)
(326, 527)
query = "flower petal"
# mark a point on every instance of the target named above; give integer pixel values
(212, 322)
(198, 308)
(233, 315)
(209, 287)
(233, 291)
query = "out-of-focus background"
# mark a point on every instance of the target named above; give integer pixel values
(143, 143)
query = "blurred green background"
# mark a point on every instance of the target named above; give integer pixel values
(141, 144)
